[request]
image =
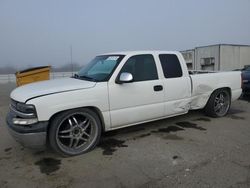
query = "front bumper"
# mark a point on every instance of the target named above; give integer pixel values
(32, 136)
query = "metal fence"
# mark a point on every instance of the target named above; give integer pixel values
(7, 78)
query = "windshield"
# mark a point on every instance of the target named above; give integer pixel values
(247, 68)
(100, 68)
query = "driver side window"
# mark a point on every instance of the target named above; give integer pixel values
(142, 67)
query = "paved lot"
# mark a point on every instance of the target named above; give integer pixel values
(185, 151)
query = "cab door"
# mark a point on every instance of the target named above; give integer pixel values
(142, 99)
(177, 85)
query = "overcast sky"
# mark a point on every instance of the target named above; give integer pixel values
(36, 32)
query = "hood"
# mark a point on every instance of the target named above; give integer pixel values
(23, 93)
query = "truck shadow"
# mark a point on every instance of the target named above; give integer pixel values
(183, 121)
(165, 129)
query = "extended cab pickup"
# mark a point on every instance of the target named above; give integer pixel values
(115, 90)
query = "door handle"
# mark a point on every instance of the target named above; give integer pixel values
(158, 88)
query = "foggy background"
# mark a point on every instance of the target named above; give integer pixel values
(35, 33)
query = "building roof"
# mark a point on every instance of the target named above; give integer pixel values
(223, 44)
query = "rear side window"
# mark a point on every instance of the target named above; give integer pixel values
(142, 67)
(170, 65)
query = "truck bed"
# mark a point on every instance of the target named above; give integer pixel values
(205, 82)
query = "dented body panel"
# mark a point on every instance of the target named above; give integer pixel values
(204, 84)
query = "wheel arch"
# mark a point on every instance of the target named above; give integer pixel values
(93, 108)
(221, 88)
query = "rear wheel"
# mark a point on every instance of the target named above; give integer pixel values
(218, 103)
(75, 132)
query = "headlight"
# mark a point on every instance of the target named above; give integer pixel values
(26, 108)
(23, 110)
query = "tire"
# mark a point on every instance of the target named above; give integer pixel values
(74, 132)
(218, 103)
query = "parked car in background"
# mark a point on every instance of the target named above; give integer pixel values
(246, 80)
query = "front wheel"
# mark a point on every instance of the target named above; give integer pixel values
(75, 132)
(218, 103)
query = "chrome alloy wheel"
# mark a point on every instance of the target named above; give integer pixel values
(221, 103)
(76, 133)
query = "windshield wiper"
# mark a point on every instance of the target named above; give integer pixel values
(87, 78)
(75, 76)
(84, 78)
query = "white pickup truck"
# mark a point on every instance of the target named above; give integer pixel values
(115, 90)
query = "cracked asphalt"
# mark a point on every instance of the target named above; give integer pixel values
(185, 151)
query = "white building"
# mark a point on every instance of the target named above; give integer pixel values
(222, 57)
(189, 57)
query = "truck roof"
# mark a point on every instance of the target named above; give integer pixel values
(141, 52)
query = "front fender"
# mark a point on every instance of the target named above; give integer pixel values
(48, 105)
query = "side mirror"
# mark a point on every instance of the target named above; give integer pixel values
(125, 77)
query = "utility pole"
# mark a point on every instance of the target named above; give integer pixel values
(71, 60)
